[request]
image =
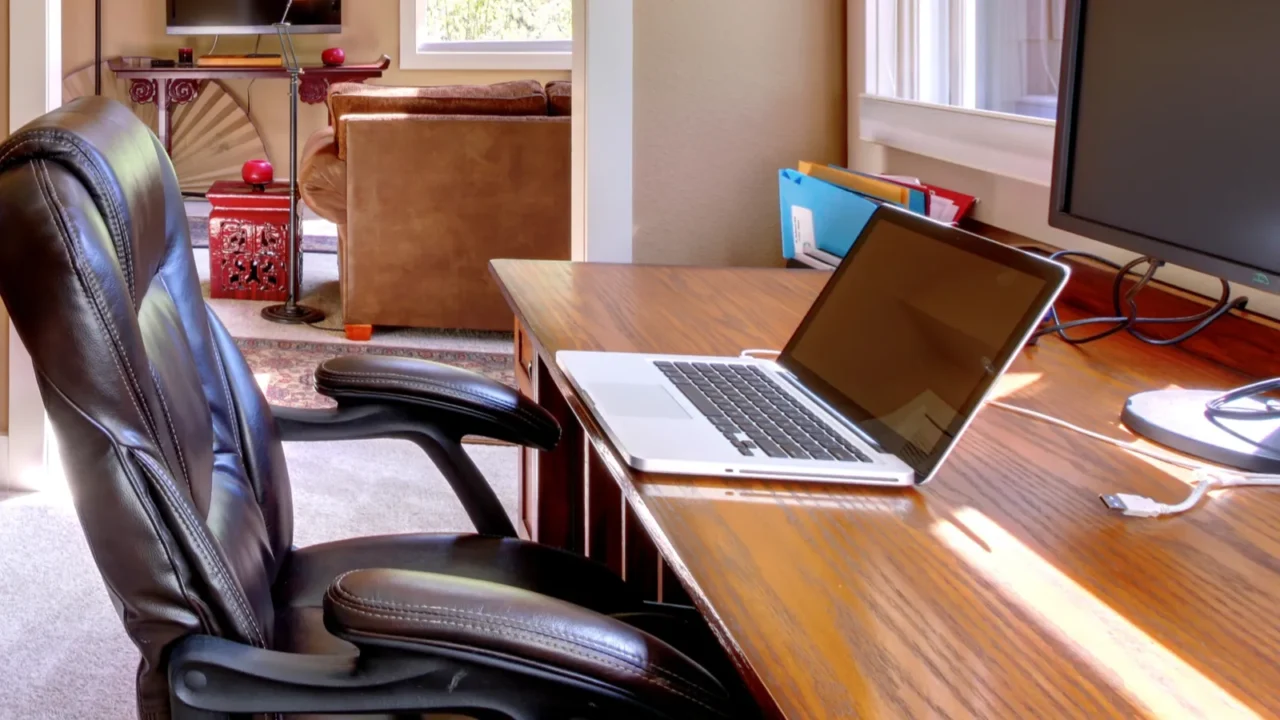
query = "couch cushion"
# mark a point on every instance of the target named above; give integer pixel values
(517, 97)
(560, 97)
(322, 177)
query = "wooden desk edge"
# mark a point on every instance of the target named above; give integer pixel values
(620, 472)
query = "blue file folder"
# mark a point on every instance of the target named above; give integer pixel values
(819, 214)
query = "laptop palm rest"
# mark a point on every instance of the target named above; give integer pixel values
(637, 400)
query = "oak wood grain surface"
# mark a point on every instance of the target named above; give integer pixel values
(1002, 589)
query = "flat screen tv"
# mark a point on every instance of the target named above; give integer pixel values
(252, 17)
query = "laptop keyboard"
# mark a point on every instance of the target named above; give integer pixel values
(752, 412)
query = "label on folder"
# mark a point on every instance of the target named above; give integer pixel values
(802, 227)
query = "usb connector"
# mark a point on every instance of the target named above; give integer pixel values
(1134, 505)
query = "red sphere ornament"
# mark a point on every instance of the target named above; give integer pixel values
(333, 57)
(258, 173)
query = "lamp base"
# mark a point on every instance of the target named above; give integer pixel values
(1176, 419)
(292, 314)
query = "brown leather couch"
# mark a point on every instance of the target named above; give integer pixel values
(427, 185)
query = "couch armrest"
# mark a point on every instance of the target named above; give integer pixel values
(524, 632)
(461, 401)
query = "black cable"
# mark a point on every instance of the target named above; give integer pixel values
(1126, 316)
(1118, 322)
(1219, 407)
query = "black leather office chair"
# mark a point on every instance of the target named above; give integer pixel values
(174, 459)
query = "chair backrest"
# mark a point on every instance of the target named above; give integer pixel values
(169, 447)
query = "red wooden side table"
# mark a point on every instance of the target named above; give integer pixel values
(248, 242)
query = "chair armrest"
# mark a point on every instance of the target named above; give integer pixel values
(460, 401)
(522, 630)
(431, 405)
(211, 677)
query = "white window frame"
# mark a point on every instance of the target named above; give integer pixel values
(491, 55)
(1013, 146)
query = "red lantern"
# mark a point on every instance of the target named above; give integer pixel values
(333, 57)
(258, 173)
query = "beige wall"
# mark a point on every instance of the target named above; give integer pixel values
(4, 126)
(726, 93)
(370, 28)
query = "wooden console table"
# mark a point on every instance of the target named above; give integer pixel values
(1002, 590)
(169, 86)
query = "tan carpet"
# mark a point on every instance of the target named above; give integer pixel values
(63, 653)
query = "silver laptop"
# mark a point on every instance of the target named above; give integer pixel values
(876, 386)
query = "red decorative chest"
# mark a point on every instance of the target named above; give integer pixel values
(248, 241)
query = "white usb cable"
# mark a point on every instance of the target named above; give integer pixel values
(1208, 477)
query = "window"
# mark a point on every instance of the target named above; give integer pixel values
(997, 55)
(971, 82)
(486, 34)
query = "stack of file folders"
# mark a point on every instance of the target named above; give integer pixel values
(824, 208)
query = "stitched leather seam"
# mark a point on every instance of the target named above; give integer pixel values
(173, 431)
(202, 545)
(155, 523)
(393, 380)
(177, 444)
(232, 412)
(60, 140)
(148, 508)
(47, 193)
(407, 616)
(505, 621)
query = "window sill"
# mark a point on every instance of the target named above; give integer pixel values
(1008, 145)
(454, 60)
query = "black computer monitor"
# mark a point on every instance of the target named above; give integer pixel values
(252, 17)
(1168, 138)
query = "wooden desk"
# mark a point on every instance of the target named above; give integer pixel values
(1003, 589)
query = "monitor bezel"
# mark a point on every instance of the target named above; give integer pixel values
(1060, 216)
(250, 29)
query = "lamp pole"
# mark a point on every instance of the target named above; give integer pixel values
(97, 47)
(291, 312)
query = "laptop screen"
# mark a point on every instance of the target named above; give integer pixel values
(914, 327)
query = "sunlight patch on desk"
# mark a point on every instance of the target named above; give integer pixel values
(1012, 382)
(1122, 654)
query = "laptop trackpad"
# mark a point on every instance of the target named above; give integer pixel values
(636, 400)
